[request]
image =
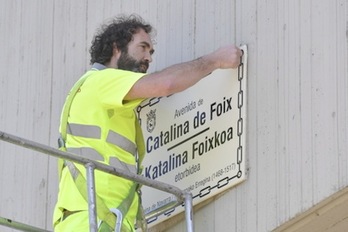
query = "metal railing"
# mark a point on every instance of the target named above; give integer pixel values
(183, 197)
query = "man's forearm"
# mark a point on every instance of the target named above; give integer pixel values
(184, 75)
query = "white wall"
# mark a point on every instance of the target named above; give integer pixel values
(297, 142)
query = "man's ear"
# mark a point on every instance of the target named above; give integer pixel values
(116, 52)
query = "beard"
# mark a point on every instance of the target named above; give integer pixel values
(126, 62)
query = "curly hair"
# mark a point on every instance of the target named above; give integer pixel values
(120, 32)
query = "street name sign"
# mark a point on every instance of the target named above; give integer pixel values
(195, 139)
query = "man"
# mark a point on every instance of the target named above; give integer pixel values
(98, 120)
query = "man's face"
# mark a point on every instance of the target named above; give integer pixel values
(138, 55)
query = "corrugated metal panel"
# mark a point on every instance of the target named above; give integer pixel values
(297, 103)
(26, 68)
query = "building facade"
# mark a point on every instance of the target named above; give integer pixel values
(297, 109)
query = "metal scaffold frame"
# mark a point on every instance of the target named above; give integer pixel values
(183, 197)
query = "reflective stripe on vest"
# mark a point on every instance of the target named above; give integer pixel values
(92, 154)
(86, 152)
(115, 162)
(122, 142)
(94, 132)
(86, 131)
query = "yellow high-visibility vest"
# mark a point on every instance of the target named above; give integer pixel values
(101, 127)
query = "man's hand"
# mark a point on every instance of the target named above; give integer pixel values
(226, 57)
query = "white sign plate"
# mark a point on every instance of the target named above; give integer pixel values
(195, 139)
